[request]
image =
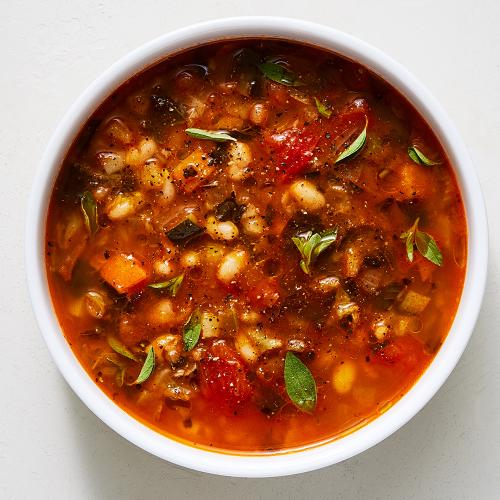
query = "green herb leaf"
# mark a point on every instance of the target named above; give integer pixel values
(419, 158)
(312, 245)
(147, 367)
(323, 110)
(118, 347)
(425, 243)
(88, 206)
(192, 330)
(427, 246)
(300, 384)
(184, 231)
(172, 285)
(212, 135)
(278, 73)
(355, 146)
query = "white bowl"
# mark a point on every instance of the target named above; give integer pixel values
(234, 464)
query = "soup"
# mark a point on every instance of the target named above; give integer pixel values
(255, 245)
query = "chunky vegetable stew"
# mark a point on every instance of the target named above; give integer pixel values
(256, 245)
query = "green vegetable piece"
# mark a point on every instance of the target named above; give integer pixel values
(212, 135)
(427, 246)
(147, 367)
(88, 206)
(312, 245)
(323, 110)
(300, 384)
(192, 330)
(419, 158)
(184, 231)
(118, 347)
(172, 285)
(355, 146)
(425, 243)
(278, 73)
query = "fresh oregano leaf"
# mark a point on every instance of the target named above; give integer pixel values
(418, 157)
(425, 243)
(355, 146)
(192, 330)
(172, 285)
(323, 110)
(88, 206)
(118, 347)
(427, 246)
(212, 135)
(300, 384)
(312, 245)
(147, 367)
(278, 73)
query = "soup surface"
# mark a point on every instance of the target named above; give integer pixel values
(255, 245)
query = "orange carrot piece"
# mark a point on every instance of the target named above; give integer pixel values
(124, 273)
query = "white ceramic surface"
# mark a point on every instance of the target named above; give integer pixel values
(308, 459)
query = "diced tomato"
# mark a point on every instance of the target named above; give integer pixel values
(223, 377)
(124, 273)
(293, 149)
(405, 352)
(265, 293)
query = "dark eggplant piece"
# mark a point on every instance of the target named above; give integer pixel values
(184, 231)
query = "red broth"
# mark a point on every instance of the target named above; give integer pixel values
(276, 277)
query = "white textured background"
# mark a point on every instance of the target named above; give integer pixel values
(51, 446)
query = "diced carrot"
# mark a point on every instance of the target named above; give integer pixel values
(193, 171)
(124, 273)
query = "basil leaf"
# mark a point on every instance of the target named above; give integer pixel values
(192, 330)
(172, 285)
(184, 231)
(278, 73)
(312, 245)
(300, 384)
(424, 242)
(213, 135)
(88, 206)
(355, 146)
(427, 246)
(147, 367)
(322, 109)
(419, 158)
(118, 347)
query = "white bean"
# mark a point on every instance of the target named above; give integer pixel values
(110, 162)
(224, 230)
(232, 265)
(162, 313)
(307, 195)
(144, 151)
(168, 190)
(164, 267)
(210, 325)
(258, 114)
(190, 259)
(240, 157)
(123, 205)
(252, 223)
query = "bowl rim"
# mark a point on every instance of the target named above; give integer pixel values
(309, 458)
